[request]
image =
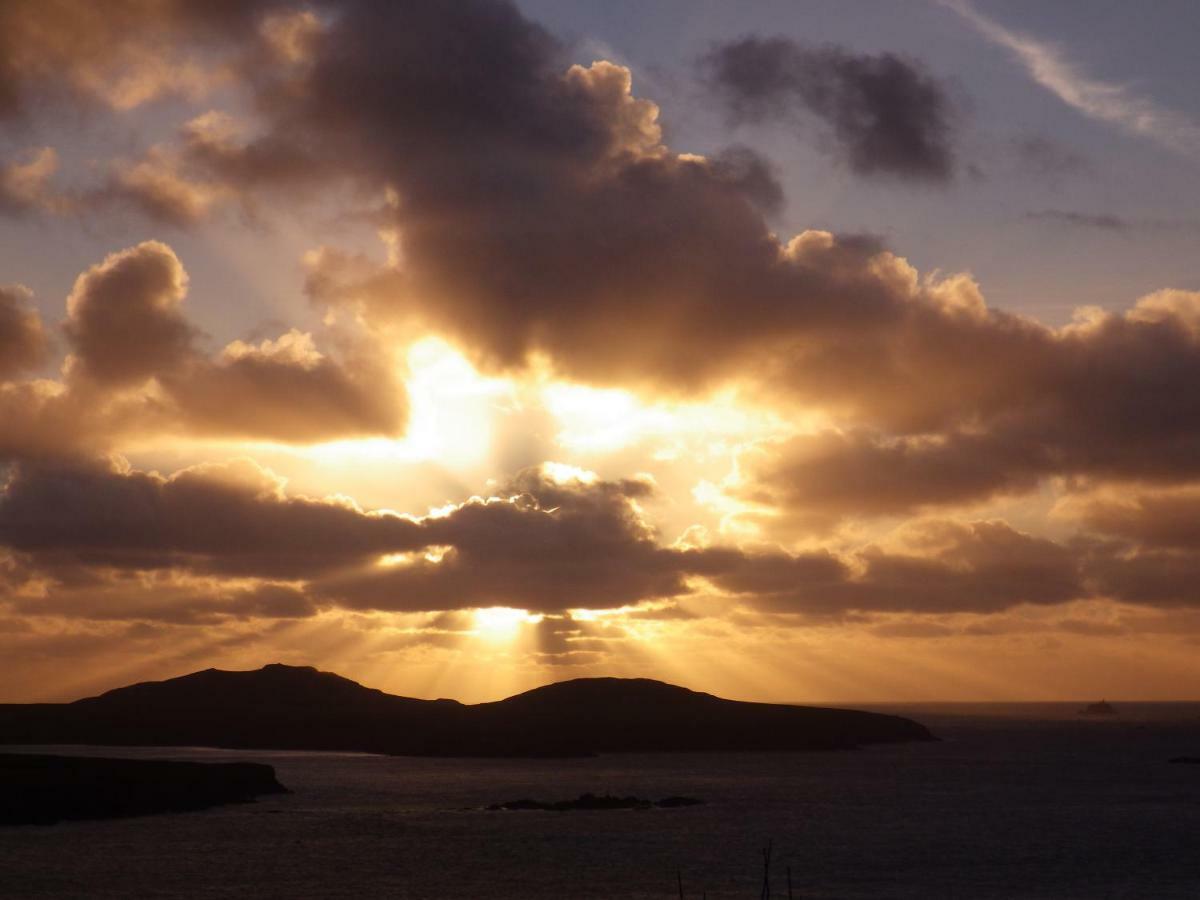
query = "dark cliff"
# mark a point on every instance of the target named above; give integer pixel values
(42, 790)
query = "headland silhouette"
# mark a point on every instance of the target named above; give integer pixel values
(300, 708)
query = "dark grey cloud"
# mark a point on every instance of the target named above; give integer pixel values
(1147, 576)
(947, 566)
(540, 544)
(886, 114)
(1163, 518)
(229, 519)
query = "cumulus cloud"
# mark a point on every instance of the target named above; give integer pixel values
(1099, 398)
(887, 115)
(23, 340)
(566, 190)
(136, 367)
(934, 566)
(535, 216)
(540, 543)
(125, 319)
(232, 519)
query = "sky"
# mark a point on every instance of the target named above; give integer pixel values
(807, 351)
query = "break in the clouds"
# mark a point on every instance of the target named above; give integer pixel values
(886, 115)
(922, 463)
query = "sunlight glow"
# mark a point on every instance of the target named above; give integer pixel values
(561, 473)
(593, 420)
(502, 623)
(451, 414)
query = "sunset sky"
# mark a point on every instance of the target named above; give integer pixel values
(801, 350)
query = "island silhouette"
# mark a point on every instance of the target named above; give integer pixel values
(280, 707)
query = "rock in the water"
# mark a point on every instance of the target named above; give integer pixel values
(593, 802)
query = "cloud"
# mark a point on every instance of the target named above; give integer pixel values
(811, 482)
(124, 317)
(1163, 518)
(676, 283)
(121, 54)
(1102, 221)
(1110, 222)
(232, 519)
(1098, 398)
(535, 216)
(23, 340)
(165, 598)
(937, 566)
(135, 367)
(27, 186)
(887, 115)
(1143, 576)
(1115, 104)
(157, 186)
(540, 543)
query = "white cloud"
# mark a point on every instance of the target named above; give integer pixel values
(1104, 101)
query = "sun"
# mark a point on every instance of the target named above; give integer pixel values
(501, 623)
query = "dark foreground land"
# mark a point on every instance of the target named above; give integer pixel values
(42, 790)
(1011, 803)
(298, 708)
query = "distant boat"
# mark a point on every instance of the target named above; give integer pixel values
(1103, 708)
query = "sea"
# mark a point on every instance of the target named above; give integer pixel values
(1016, 800)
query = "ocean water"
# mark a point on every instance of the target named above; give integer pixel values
(1016, 801)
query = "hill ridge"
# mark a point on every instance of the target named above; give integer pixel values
(279, 706)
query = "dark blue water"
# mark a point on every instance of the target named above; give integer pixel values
(1017, 801)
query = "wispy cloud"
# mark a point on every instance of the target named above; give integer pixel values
(1104, 101)
(1109, 222)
